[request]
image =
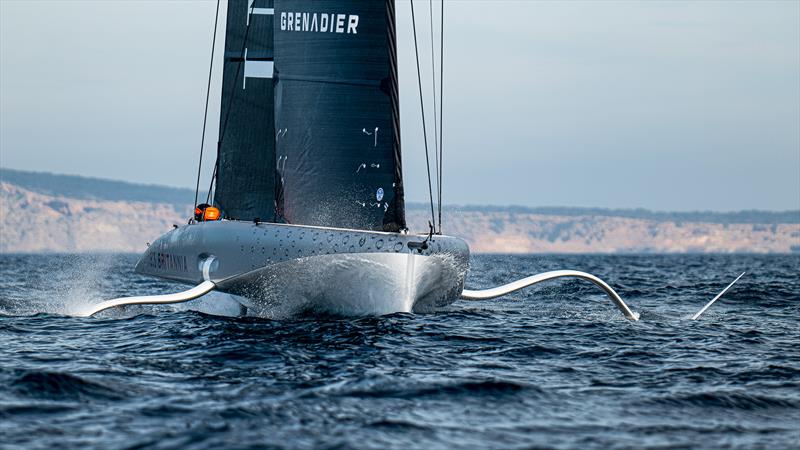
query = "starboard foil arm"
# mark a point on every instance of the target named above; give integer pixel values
(198, 291)
(498, 291)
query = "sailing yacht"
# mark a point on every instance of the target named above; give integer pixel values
(308, 182)
(305, 212)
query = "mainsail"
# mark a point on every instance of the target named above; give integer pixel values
(246, 154)
(309, 127)
(336, 114)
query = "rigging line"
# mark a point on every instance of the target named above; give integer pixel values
(441, 114)
(230, 101)
(213, 176)
(422, 107)
(205, 114)
(435, 115)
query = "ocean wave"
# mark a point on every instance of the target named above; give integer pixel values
(728, 400)
(416, 390)
(61, 386)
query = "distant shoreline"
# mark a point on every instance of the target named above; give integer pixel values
(80, 187)
(48, 213)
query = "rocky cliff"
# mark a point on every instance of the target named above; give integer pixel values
(34, 222)
(499, 232)
(35, 217)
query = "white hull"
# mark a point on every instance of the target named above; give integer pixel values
(285, 270)
(359, 284)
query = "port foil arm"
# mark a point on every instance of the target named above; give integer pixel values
(179, 297)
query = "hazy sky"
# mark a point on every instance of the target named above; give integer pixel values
(668, 106)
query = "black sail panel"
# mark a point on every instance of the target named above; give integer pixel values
(336, 114)
(246, 154)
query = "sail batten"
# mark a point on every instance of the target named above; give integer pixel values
(333, 80)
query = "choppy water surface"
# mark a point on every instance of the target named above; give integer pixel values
(553, 366)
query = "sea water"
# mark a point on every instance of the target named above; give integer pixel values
(555, 365)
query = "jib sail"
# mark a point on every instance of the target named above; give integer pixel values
(336, 114)
(246, 155)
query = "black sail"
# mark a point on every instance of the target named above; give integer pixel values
(246, 153)
(336, 114)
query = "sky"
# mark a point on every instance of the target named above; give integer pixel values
(672, 106)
